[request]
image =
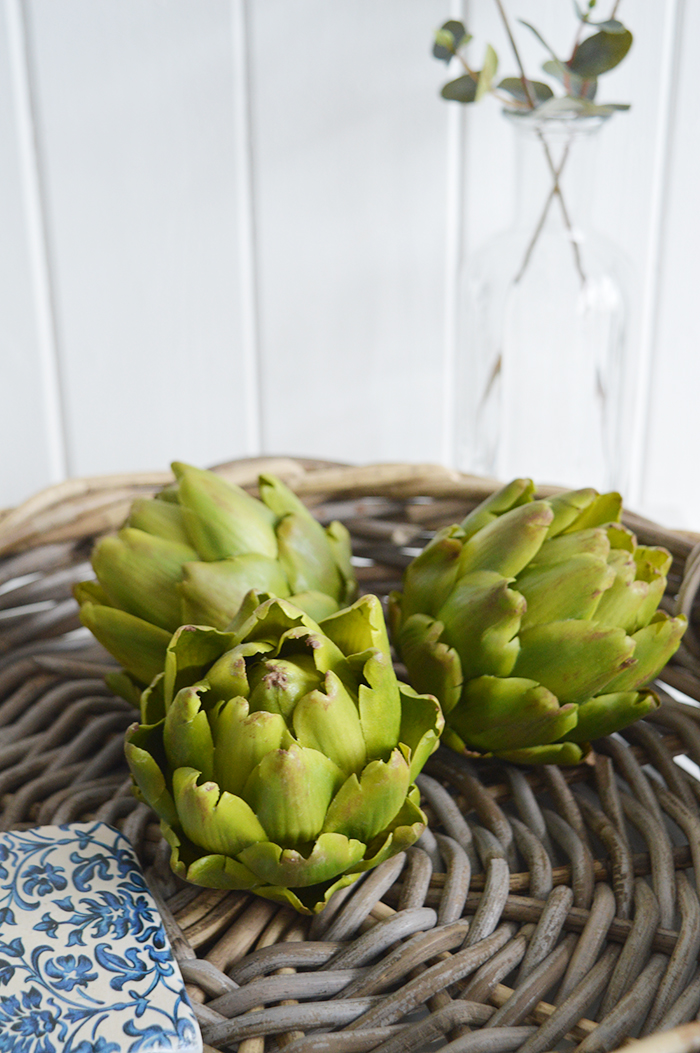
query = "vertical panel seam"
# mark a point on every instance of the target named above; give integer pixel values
(245, 193)
(35, 217)
(651, 296)
(454, 240)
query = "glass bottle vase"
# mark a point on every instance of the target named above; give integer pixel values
(541, 370)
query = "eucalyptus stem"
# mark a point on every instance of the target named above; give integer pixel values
(543, 217)
(556, 189)
(527, 87)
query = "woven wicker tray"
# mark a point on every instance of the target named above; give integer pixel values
(550, 908)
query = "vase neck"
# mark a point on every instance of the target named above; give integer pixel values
(550, 153)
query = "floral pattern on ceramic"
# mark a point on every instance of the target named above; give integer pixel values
(85, 965)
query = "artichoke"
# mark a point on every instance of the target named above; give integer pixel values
(192, 553)
(281, 755)
(535, 624)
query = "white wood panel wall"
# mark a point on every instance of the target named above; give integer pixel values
(234, 226)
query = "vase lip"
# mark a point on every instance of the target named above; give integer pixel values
(561, 119)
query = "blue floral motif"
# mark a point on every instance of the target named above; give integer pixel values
(43, 879)
(47, 925)
(24, 1026)
(122, 991)
(101, 1046)
(4, 856)
(15, 948)
(69, 971)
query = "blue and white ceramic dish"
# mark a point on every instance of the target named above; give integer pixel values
(85, 965)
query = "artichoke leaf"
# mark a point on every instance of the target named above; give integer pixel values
(190, 652)
(652, 566)
(622, 603)
(567, 507)
(91, 592)
(379, 704)
(328, 721)
(220, 823)
(137, 645)
(481, 620)
(422, 723)
(141, 743)
(338, 537)
(242, 739)
(431, 576)
(508, 543)
(331, 855)
(605, 714)
(212, 593)
(162, 518)
(186, 734)
(217, 871)
(222, 520)
(309, 900)
(228, 676)
(571, 589)
(280, 500)
(433, 667)
(365, 806)
(210, 871)
(306, 557)
(604, 509)
(562, 753)
(358, 628)
(126, 687)
(512, 495)
(290, 790)
(278, 684)
(502, 714)
(272, 620)
(573, 659)
(140, 572)
(620, 536)
(654, 645)
(594, 541)
(152, 701)
(318, 605)
(403, 831)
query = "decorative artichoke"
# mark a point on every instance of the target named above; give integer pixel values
(193, 552)
(535, 624)
(281, 755)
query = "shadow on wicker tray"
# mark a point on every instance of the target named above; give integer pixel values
(542, 909)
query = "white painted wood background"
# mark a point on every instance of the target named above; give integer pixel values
(235, 226)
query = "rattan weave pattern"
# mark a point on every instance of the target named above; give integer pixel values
(542, 909)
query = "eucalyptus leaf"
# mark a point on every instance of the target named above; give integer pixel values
(449, 38)
(610, 26)
(514, 86)
(573, 84)
(487, 74)
(539, 36)
(463, 89)
(577, 107)
(600, 53)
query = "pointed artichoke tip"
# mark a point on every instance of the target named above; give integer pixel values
(370, 602)
(179, 468)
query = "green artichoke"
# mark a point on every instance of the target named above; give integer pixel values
(281, 755)
(191, 554)
(535, 624)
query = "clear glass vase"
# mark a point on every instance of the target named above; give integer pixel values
(540, 373)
